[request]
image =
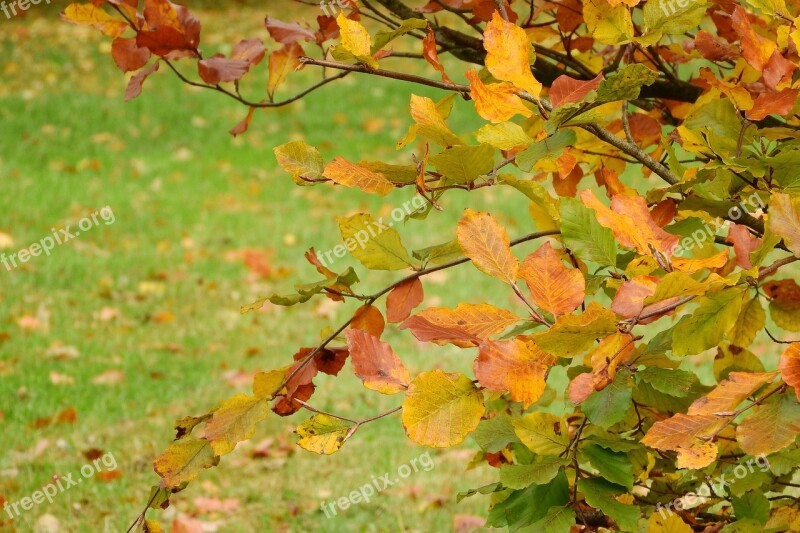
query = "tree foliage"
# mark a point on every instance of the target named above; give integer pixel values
(698, 99)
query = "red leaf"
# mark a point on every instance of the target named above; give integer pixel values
(218, 69)
(743, 243)
(135, 85)
(128, 55)
(288, 32)
(376, 363)
(403, 299)
(250, 50)
(566, 90)
(244, 124)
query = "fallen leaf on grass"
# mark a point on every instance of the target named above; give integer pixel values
(109, 377)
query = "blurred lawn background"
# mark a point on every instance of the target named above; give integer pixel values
(136, 324)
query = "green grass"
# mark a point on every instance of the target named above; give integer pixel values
(185, 194)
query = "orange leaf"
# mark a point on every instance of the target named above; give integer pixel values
(281, 63)
(607, 356)
(756, 49)
(496, 102)
(580, 388)
(128, 55)
(376, 363)
(486, 242)
(773, 104)
(513, 366)
(743, 243)
(403, 299)
(348, 174)
(631, 222)
(730, 393)
(508, 52)
(790, 367)
(553, 286)
(432, 57)
(466, 323)
(369, 318)
(566, 90)
(629, 300)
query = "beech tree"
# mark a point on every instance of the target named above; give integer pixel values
(697, 100)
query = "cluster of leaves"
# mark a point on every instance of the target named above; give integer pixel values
(699, 99)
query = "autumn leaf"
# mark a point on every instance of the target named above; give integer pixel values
(496, 102)
(92, 15)
(403, 299)
(218, 69)
(486, 242)
(784, 220)
(183, 461)
(349, 174)
(542, 433)
(281, 63)
(515, 367)
(566, 90)
(128, 55)
(235, 421)
(789, 366)
(553, 286)
(467, 323)
(376, 245)
(432, 57)
(369, 318)
(441, 409)
(376, 363)
(730, 393)
(771, 426)
(508, 51)
(324, 434)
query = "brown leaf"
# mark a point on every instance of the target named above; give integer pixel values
(553, 286)
(403, 299)
(288, 32)
(250, 50)
(431, 56)
(376, 363)
(135, 85)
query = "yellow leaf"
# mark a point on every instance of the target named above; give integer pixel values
(784, 220)
(431, 123)
(496, 102)
(183, 460)
(542, 433)
(354, 37)
(513, 366)
(504, 136)
(376, 245)
(486, 242)
(324, 434)
(671, 524)
(91, 15)
(441, 409)
(553, 286)
(770, 427)
(265, 383)
(607, 24)
(235, 421)
(508, 54)
(573, 334)
(349, 174)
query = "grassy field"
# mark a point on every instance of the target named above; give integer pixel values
(135, 324)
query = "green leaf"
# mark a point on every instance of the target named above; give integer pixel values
(551, 147)
(751, 320)
(584, 235)
(613, 466)
(673, 18)
(678, 383)
(752, 505)
(324, 434)
(542, 471)
(625, 84)
(610, 405)
(524, 507)
(384, 37)
(440, 254)
(463, 164)
(600, 494)
(543, 207)
(376, 246)
(304, 292)
(486, 489)
(495, 434)
(709, 323)
(732, 358)
(557, 520)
